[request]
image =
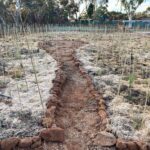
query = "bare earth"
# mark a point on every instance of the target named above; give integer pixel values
(79, 112)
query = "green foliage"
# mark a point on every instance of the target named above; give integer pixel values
(39, 11)
(70, 8)
(131, 79)
(130, 6)
(137, 122)
(113, 15)
(3, 12)
(90, 10)
(3, 84)
(101, 13)
(16, 73)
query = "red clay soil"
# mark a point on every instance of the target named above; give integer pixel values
(78, 113)
(81, 112)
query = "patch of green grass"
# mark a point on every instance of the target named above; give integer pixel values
(131, 79)
(3, 84)
(16, 73)
(137, 122)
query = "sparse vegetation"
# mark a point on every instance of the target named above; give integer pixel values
(3, 84)
(16, 73)
(122, 85)
(137, 122)
(79, 76)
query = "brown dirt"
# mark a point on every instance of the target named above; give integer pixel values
(78, 114)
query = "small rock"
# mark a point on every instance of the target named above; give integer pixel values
(132, 146)
(35, 139)
(24, 51)
(50, 112)
(121, 145)
(105, 139)
(47, 122)
(145, 147)
(25, 143)
(36, 144)
(123, 88)
(108, 96)
(9, 143)
(74, 146)
(102, 114)
(142, 146)
(35, 51)
(53, 134)
(108, 128)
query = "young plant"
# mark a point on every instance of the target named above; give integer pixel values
(131, 80)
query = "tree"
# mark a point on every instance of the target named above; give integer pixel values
(92, 5)
(73, 8)
(101, 13)
(148, 11)
(37, 11)
(113, 15)
(90, 10)
(130, 7)
(70, 8)
(7, 8)
(96, 3)
(3, 10)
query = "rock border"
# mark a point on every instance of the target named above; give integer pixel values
(49, 133)
(102, 105)
(52, 133)
(120, 144)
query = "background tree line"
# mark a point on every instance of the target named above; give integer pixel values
(60, 11)
(38, 11)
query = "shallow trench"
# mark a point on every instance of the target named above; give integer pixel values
(78, 114)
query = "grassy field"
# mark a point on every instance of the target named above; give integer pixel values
(117, 62)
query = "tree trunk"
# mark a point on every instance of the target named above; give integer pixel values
(17, 12)
(3, 21)
(2, 27)
(130, 21)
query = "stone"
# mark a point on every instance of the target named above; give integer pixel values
(101, 102)
(105, 139)
(143, 146)
(140, 145)
(24, 51)
(10, 143)
(53, 101)
(35, 139)
(47, 122)
(132, 146)
(50, 112)
(121, 145)
(36, 144)
(74, 146)
(102, 114)
(54, 134)
(35, 51)
(102, 107)
(123, 88)
(25, 143)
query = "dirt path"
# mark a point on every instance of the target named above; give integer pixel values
(79, 112)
